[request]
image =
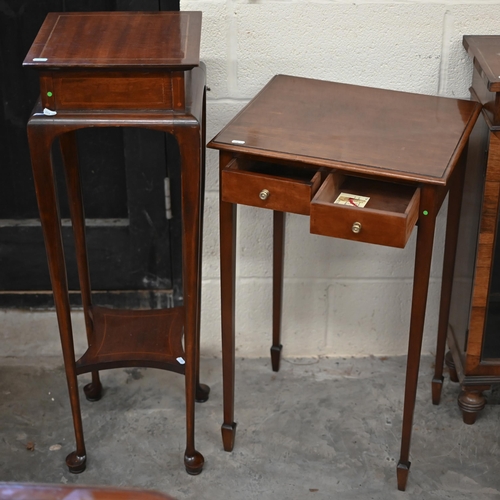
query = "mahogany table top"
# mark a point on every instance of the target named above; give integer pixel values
(372, 131)
(117, 40)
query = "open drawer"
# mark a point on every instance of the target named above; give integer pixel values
(269, 185)
(387, 218)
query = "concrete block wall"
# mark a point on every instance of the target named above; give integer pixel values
(340, 298)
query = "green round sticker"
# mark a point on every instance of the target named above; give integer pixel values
(425, 212)
(49, 94)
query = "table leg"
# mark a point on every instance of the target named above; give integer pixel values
(450, 251)
(423, 257)
(227, 274)
(278, 257)
(40, 140)
(189, 140)
(69, 151)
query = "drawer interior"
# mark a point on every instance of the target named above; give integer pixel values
(287, 172)
(384, 196)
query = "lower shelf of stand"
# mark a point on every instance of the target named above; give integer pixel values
(147, 338)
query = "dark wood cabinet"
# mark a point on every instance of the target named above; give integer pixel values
(474, 325)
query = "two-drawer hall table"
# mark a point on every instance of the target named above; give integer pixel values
(121, 69)
(300, 144)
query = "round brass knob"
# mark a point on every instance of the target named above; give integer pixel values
(264, 194)
(356, 227)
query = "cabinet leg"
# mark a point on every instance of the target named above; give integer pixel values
(278, 257)
(471, 401)
(451, 366)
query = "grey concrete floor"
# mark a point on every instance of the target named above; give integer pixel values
(319, 429)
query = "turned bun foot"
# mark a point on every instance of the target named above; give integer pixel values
(228, 435)
(437, 386)
(448, 359)
(275, 357)
(93, 392)
(76, 464)
(202, 392)
(471, 403)
(193, 462)
(402, 473)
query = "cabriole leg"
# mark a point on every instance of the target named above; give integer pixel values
(189, 140)
(40, 138)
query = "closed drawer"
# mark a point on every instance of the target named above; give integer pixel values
(269, 185)
(387, 218)
(79, 90)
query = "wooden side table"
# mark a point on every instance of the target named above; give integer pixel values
(299, 145)
(472, 333)
(121, 69)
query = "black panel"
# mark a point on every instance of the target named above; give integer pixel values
(491, 341)
(139, 5)
(145, 165)
(88, 5)
(491, 346)
(169, 4)
(19, 24)
(102, 170)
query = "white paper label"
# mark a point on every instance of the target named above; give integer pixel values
(353, 200)
(181, 361)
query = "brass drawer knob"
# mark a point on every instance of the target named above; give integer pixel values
(356, 227)
(264, 194)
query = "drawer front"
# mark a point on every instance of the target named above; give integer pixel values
(112, 90)
(387, 219)
(275, 187)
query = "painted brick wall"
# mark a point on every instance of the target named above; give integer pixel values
(341, 298)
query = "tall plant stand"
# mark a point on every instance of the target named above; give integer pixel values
(121, 69)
